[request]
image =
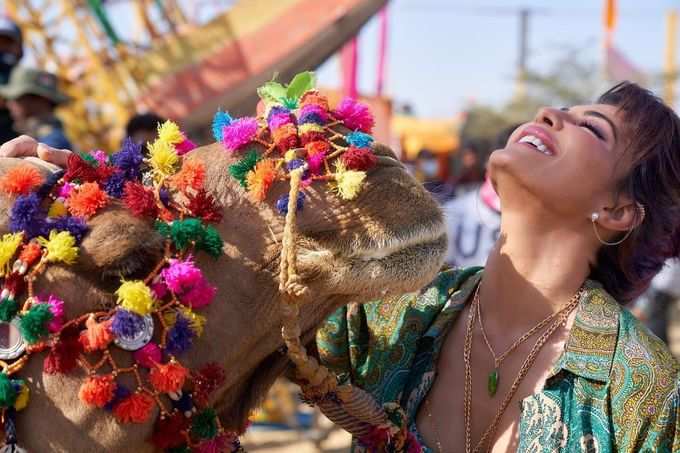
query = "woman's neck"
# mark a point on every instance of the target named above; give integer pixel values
(533, 271)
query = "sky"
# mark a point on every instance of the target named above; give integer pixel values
(445, 54)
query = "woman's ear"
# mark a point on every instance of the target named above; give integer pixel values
(626, 215)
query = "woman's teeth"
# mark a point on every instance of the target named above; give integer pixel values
(537, 143)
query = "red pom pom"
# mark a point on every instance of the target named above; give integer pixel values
(312, 136)
(20, 180)
(87, 200)
(104, 172)
(79, 170)
(168, 378)
(286, 137)
(136, 408)
(97, 335)
(140, 200)
(30, 253)
(15, 283)
(210, 377)
(204, 206)
(97, 390)
(168, 431)
(360, 159)
(64, 354)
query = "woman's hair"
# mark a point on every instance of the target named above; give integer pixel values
(652, 131)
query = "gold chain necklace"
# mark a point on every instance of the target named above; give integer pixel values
(490, 431)
(494, 375)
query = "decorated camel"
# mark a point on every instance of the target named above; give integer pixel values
(292, 237)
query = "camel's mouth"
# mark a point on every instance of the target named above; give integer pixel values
(423, 236)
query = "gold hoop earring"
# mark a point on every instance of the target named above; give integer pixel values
(595, 216)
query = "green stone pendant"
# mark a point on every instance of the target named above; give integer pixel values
(492, 383)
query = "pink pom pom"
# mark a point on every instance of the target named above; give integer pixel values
(240, 132)
(65, 190)
(57, 310)
(200, 295)
(355, 115)
(100, 156)
(315, 163)
(184, 146)
(279, 119)
(148, 356)
(159, 290)
(217, 444)
(181, 276)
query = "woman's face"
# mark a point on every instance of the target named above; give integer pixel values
(568, 159)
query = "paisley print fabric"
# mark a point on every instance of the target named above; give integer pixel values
(614, 389)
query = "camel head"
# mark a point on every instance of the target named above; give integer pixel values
(387, 240)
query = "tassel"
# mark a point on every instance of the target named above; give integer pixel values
(220, 121)
(77, 169)
(281, 119)
(115, 185)
(168, 378)
(8, 393)
(312, 97)
(208, 379)
(119, 395)
(148, 356)
(20, 180)
(238, 133)
(314, 114)
(61, 247)
(136, 297)
(57, 309)
(204, 424)
(129, 159)
(192, 175)
(349, 182)
(169, 132)
(180, 338)
(126, 324)
(196, 321)
(97, 335)
(27, 216)
(33, 324)
(286, 137)
(87, 200)
(355, 115)
(140, 200)
(23, 396)
(30, 253)
(134, 409)
(217, 444)
(97, 391)
(185, 146)
(359, 159)
(76, 226)
(240, 169)
(8, 309)
(260, 179)
(282, 203)
(64, 353)
(8, 247)
(204, 206)
(163, 158)
(200, 295)
(359, 139)
(211, 242)
(168, 431)
(181, 275)
(57, 209)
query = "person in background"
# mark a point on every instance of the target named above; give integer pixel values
(11, 51)
(143, 127)
(427, 168)
(473, 218)
(469, 163)
(653, 307)
(32, 96)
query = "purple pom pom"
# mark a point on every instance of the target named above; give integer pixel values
(164, 195)
(277, 110)
(74, 225)
(119, 395)
(280, 119)
(27, 215)
(126, 324)
(184, 403)
(312, 113)
(115, 184)
(180, 337)
(129, 159)
(282, 203)
(239, 133)
(295, 163)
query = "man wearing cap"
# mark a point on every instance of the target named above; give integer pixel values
(32, 96)
(11, 51)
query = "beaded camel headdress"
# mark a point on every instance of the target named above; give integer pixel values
(157, 318)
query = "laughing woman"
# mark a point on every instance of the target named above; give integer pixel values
(535, 352)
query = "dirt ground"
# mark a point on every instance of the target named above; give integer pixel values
(338, 441)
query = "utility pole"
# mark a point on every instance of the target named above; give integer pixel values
(520, 86)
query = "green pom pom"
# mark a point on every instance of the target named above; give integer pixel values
(211, 242)
(204, 424)
(240, 169)
(185, 231)
(90, 159)
(163, 228)
(33, 325)
(8, 393)
(8, 309)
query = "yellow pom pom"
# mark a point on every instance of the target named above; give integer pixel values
(348, 182)
(196, 321)
(135, 296)
(57, 209)
(309, 127)
(163, 158)
(22, 398)
(61, 246)
(8, 247)
(169, 132)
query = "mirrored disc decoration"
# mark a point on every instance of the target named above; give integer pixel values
(12, 344)
(139, 340)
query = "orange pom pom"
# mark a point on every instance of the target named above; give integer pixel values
(87, 200)
(97, 335)
(168, 378)
(136, 408)
(97, 390)
(191, 175)
(30, 253)
(313, 97)
(20, 180)
(261, 178)
(316, 147)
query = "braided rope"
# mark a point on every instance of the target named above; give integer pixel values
(353, 409)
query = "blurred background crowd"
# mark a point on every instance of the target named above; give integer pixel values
(448, 81)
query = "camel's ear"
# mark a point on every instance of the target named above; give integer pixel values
(120, 245)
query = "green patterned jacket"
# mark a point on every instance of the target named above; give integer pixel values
(614, 389)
